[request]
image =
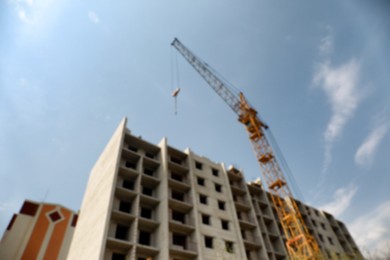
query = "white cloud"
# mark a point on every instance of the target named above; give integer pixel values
(326, 44)
(93, 17)
(340, 84)
(372, 230)
(365, 154)
(30, 2)
(23, 17)
(341, 200)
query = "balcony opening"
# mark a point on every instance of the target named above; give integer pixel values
(203, 199)
(198, 165)
(208, 242)
(215, 172)
(128, 184)
(225, 224)
(118, 256)
(125, 206)
(248, 254)
(176, 176)
(121, 232)
(149, 172)
(177, 195)
(200, 181)
(178, 216)
(131, 165)
(175, 160)
(147, 191)
(221, 205)
(205, 219)
(179, 240)
(146, 213)
(243, 234)
(144, 238)
(239, 216)
(132, 148)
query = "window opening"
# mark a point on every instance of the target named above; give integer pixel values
(121, 232)
(125, 206)
(208, 242)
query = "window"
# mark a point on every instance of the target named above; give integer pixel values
(176, 176)
(205, 219)
(132, 148)
(146, 213)
(144, 237)
(149, 155)
(149, 172)
(221, 205)
(177, 195)
(125, 206)
(323, 226)
(178, 216)
(225, 224)
(215, 172)
(203, 199)
(239, 215)
(198, 165)
(147, 191)
(243, 233)
(321, 238)
(218, 187)
(200, 181)
(330, 240)
(128, 185)
(131, 165)
(117, 256)
(208, 242)
(121, 232)
(179, 240)
(229, 246)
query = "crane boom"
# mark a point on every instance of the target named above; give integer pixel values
(299, 243)
(203, 69)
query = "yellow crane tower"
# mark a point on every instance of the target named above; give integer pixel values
(299, 243)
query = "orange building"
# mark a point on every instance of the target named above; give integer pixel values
(39, 231)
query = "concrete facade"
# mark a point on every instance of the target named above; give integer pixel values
(38, 231)
(146, 201)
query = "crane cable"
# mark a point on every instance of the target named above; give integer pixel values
(175, 68)
(286, 169)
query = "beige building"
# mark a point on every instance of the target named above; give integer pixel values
(39, 231)
(146, 201)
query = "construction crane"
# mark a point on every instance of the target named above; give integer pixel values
(299, 243)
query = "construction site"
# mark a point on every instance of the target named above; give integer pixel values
(147, 201)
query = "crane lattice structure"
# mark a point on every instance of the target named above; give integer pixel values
(299, 243)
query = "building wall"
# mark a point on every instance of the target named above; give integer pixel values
(39, 231)
(90, 237)
(146, 201)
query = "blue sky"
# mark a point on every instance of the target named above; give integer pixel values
(317, 72)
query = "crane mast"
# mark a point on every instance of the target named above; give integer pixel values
(299, 243)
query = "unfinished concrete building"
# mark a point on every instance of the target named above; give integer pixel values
(146, 201)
